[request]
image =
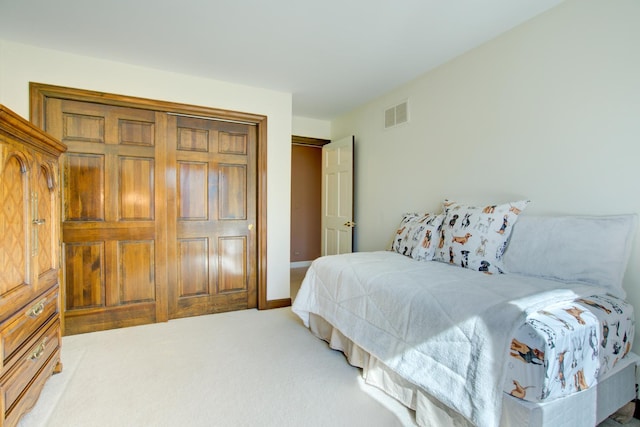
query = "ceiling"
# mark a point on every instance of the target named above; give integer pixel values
(331, 55)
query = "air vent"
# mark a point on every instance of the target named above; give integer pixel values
(396, 115)
(390, 117)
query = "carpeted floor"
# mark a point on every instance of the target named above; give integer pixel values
(245, 368)
(611, 423)
(297, 275)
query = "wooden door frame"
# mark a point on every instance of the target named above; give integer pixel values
(39, 92)
(305, 140)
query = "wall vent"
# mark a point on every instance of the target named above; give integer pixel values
(396, 115)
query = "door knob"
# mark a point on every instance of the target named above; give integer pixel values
(349, 224)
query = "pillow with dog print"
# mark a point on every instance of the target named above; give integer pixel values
(414, 235)
(476, 237)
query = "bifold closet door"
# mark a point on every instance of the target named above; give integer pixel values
(158, 217)
(212, 216)
(113, 214)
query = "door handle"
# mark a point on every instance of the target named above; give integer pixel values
(350, 224)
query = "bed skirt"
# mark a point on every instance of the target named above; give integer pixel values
(586, 408)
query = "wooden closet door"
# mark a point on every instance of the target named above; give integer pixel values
(113, 223)
(159, 213)
(212, 216)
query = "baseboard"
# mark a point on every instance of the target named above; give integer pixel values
(276, 303)
(300, 264)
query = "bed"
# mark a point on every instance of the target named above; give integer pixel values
(483, 316)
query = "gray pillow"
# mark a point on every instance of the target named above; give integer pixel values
(584, 249)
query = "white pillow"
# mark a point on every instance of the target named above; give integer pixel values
(584, 249)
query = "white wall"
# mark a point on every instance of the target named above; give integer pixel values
(549, 111)
(311, 128)
(20, 64)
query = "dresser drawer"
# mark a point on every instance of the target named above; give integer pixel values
(21, 375)
(15, 332)
(30, 397)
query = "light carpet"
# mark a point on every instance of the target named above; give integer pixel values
(244, 368)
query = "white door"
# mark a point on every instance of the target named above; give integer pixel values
(337, 197)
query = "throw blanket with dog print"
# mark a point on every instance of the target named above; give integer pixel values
(567, 347)
(444, 328)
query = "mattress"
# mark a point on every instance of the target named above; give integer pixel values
(600, 401)
(433, 324)
(566, 348)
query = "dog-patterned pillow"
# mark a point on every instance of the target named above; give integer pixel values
(476, 237)
(416, 235)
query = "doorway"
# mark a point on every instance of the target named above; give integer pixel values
(306, 187)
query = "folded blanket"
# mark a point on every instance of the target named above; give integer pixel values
(444, 328)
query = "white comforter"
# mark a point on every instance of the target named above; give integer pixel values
(444, 328)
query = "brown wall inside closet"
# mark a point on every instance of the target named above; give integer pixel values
(306, 186)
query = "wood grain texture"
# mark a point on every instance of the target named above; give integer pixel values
(146, 125)
(13, 220)
(30, 336)
(110, 229)
(214, 227)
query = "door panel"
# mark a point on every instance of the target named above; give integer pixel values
(193, 194)
(83, 178)
(136, 274)
(214, 234)
(44, 222)
(232, 264)
(232, 188)
(44, 201)
(136, 189)
(337, 197)
(110, 233)
(14, 245)
(84, 274)
(159, 214)
(193, 273)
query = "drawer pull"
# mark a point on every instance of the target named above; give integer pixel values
(38, 351)
(37, 309)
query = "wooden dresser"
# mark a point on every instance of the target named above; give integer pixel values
(30, 327)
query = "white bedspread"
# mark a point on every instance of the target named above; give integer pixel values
(444, 328)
